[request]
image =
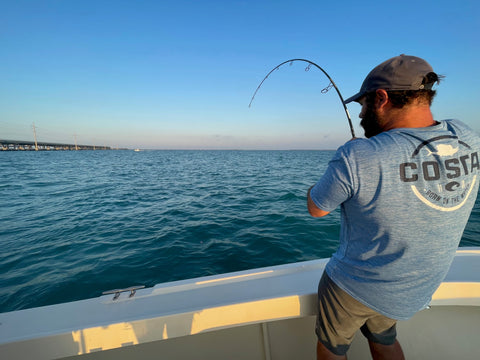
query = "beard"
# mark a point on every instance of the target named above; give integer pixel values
(370, 122)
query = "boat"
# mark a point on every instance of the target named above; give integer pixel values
(266, 313)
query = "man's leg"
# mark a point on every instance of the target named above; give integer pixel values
(324, 354)
(335, 326)
(378, 351)
(383, 343)
(386, 352)
(340, 316)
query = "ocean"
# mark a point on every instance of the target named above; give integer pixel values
(76, 223)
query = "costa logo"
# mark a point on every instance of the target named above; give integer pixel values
(442, 175)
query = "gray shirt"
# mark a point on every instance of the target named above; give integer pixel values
(405, 197)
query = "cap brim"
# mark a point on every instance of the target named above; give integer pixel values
(355, 97)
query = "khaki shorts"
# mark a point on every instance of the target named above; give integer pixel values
(340, 316)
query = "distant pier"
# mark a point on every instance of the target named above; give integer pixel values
(19, 145)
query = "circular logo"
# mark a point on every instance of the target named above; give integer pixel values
(442, 172)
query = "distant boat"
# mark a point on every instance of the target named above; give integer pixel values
(137, 150)
(266, 313)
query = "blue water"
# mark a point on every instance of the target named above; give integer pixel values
(76, 223)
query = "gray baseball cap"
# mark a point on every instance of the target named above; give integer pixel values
(403, 72)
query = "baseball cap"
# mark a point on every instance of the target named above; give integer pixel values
(403, 72)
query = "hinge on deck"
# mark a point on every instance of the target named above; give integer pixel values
(117, 292)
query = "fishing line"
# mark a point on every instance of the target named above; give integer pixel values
(323, 91)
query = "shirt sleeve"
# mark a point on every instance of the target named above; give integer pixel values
(335, 186)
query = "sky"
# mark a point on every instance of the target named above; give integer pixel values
(177, 74)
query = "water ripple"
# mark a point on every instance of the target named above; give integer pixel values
(74, 224)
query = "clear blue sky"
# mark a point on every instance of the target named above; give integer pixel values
(180, 74)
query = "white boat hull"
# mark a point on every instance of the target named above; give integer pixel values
(266, 313)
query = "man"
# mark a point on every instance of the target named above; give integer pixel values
(405, 192)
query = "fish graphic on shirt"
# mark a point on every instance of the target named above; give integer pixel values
(443, 150)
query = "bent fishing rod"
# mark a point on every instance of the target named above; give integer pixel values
(325, 90)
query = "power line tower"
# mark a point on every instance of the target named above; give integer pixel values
(35, 136)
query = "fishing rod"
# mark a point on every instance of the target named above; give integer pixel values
(325, 90)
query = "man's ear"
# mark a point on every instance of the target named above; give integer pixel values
(381, 99)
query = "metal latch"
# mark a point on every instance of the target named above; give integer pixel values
(117, 292)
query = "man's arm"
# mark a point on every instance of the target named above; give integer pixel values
(313, 209)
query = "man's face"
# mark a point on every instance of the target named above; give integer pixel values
(370, 119)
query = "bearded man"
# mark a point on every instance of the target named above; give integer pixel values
(405, 195)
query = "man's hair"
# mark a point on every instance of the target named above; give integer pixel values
(400, 98)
